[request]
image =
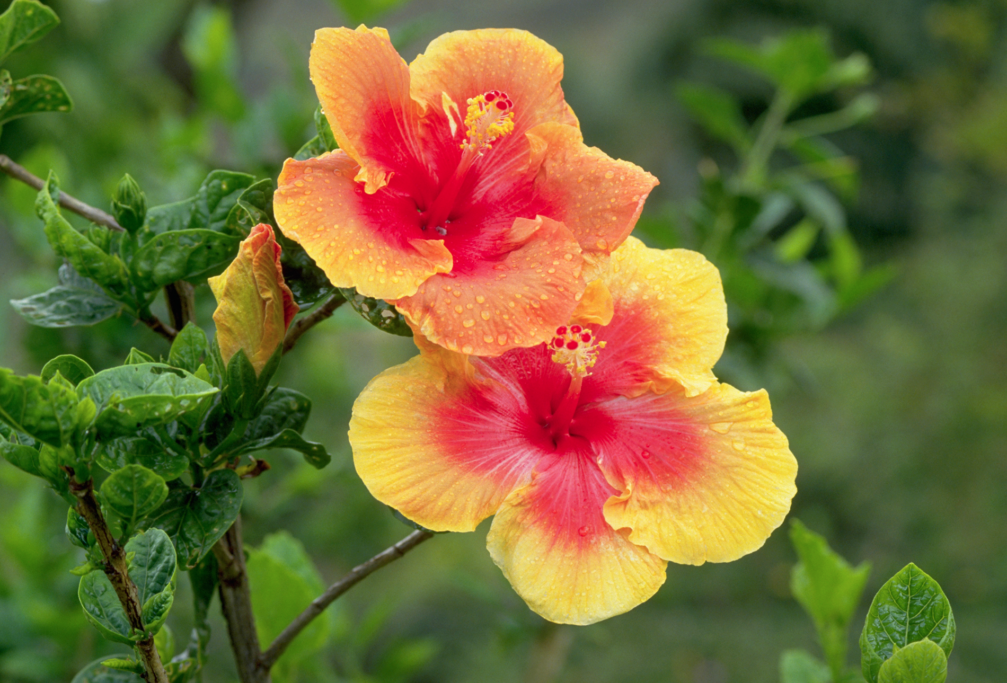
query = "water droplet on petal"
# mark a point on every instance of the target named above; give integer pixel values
(721, 427)
(739, 444)
(585, 530)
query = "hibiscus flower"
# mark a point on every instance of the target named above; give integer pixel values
(603, 453)
(462, 190)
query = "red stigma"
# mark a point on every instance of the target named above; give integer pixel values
(490, 96)
(561, 330)
(557, 342)
(586, 337)
(501, 105)
(572, 345)
(576, 329)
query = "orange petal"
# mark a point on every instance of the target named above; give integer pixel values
(704, 478)
(556, 549)
(363, 86)
(254, 305)
(438, 445)
(464, 64)
(597, 197)
(670, 320)
(319, 205)
(596, 306)
(517, 300)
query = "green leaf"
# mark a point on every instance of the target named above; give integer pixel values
(189, 348)
(306, 280)
(116, 454)
(35, 95)
(290, 552)
(379, 313)
(164, 641)
(242, 388)
(921, 662)
(43, 411)
(798, 666)
(75, 301)
(254, 206)
(314, 453)
(283, 582)
(77, 530)
(829, 589)
(137, 357)
(133, 492)
(6, 85)
(203, 578)
(717, 112)
(125, 665)
(311, 149)
(325, 135)
(196, 518)
(910, 607)
(87, 259)
(23, 457)
(365, 11)
(796, 244)
(24, 22)
(283, 409)
(96, 672)
(70, 366)
(210, 47)
(102, 607)
(152, 570)
(190, 255)
(208, 210)
(149, 394)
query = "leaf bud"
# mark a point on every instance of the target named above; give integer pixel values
(129, 204)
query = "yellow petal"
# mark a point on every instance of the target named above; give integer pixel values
(556, 549)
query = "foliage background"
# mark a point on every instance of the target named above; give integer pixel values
(897, 412)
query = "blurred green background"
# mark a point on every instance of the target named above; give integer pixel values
(896, 410)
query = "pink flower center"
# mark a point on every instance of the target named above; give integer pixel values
(489, 117)
(575, 348)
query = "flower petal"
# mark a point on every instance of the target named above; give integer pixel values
(516, 299)
(438, 444)
(704, 478)
(554, 546)
(670, 320)
(363, 85)
(465, 64)
(358, 240)
(597, 197)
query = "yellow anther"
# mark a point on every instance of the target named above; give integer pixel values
(488, 118)
(576, 348)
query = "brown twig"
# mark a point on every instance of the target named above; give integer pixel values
(318, 605)
(116, 568)
(154, 323)
(302, 325)
(181, 299)
(236, 604)
(15, 170)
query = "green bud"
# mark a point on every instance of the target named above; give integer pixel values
(100, 236)
(129, 204)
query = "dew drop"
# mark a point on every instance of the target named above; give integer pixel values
(585, 530)
(644, 454)
(739, 444)
(721, 427)
(468, 323)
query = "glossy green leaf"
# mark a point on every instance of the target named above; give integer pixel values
(242, 389)
(365, 11)
(379, 313)
(910, 607)
(254, 206)
(149, 394)
(25, 458)
(325, 135)
(190, 255)
(314, 453)
(87, 259)
(24, 22)
(75, 301)
(77, 530)
(196, 518)
(283, 582)
(306, 280)
(152, 566)
(133, 492)
(116, 454)
(73, 369)
(120, 664)
(34, 95)
(43, 411)
(921, 662)
(828, 588)
(208, 210)
(798, 666)
(96, 672)
(283, 409)
(717, 112)
(314, 147)
(102, 607)
(189, 349)
(6, 85)
(137, 357)
(796, 244)
(164, 641)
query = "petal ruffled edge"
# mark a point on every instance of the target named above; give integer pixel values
(704, 478)
(553, 544)
(318, 205)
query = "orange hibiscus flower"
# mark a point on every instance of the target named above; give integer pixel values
(604, 453)
(462, 190)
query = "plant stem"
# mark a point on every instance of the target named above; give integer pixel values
(758, 157)
(116, 568)
(14, 170)
(155, 324)
(181, 299)
(322, 312)
(318, 605)
(236, 604)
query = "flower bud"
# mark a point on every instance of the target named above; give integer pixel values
(129, 204)
(254, 305)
